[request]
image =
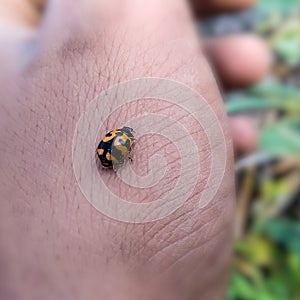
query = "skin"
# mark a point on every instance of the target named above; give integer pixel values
(250, 59)
(53, 243)
(18, 12)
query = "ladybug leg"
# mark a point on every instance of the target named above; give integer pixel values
(116, 167)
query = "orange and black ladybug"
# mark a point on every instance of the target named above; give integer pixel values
(114, 148)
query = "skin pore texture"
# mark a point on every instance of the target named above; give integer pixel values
(53, 243)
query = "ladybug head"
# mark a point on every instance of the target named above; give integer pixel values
(128, 130)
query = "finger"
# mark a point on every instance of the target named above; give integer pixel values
(19, 12)
(239, 60)
(244, 134)
(17, 31)
(38, 4)
(208, 7)
(16, 41)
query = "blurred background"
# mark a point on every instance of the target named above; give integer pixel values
(266, 263)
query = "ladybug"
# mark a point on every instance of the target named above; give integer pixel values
(114, 148)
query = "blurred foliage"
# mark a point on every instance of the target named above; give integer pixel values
(266, 264)
(282, 136)
(278, 6)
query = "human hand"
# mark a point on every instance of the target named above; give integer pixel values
(55, 245)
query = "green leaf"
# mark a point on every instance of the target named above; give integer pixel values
(284, 231)
(241, 287)
(250, 103)
(279, 5)
(282, 138)
(275, 91)
(286, 41)
(266, 96)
